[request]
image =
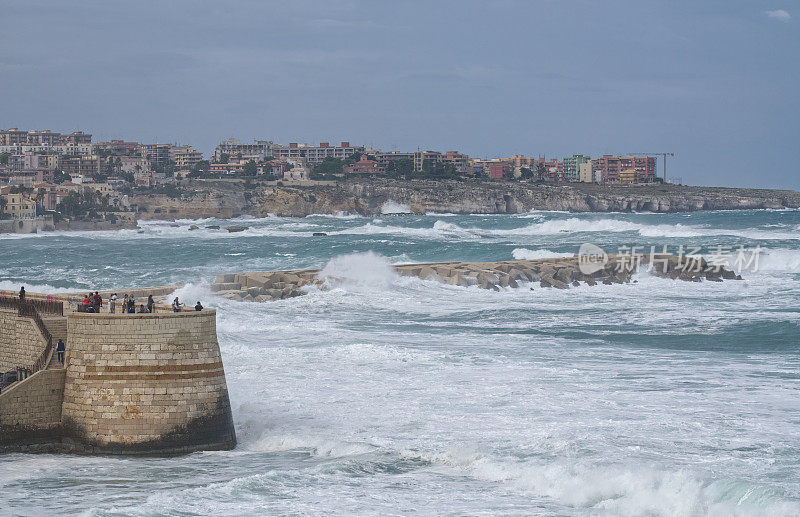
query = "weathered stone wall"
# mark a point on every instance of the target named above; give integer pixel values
(146, 383)
(21, 343)
(34, 402)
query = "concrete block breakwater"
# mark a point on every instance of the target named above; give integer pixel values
(559, 273)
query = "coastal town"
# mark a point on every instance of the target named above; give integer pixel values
(49, 180)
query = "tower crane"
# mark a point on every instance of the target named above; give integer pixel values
(658, 154)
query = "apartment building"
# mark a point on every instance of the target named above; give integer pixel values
(315, 154)
(17, 141)
(258, 151)
(571, 166)
(80, 165)
(393, 156)
(495, 168)
(131, 164)
(612, 167)
(31, 160)
(422, 157)
(18, 205)
(118, 147)
(29, 177)
(459, 161)
(156, 154)
(14, 136)
(185, 156)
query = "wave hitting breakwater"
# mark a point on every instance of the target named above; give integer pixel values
(560, 273)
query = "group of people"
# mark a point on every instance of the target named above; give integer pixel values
(176, 305)
(128, 305)
(93, 302)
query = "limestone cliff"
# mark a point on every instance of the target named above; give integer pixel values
(218, 198)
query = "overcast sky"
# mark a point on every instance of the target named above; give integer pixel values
(715, 82)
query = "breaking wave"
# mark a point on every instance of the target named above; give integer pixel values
(391, 207)
(366, 270)
(528, 254)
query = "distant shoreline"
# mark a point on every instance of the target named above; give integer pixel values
(369, 197)
(225, 199)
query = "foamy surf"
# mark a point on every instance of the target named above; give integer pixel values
(397, 395)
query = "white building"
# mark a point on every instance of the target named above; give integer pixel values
(257, 151)
(315, 154)
(298, 171)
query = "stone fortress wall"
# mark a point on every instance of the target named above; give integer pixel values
(30, 412)
(145, 382)
(20, 340)
(132, 384)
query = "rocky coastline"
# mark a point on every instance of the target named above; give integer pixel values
(369, 196)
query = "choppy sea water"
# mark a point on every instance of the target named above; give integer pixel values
(388, 395)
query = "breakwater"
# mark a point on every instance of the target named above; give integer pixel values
(558, 273)
(130, 383)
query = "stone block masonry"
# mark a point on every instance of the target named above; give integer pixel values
(146, 383)
(132, 384)
(30, 412)
(20, 340)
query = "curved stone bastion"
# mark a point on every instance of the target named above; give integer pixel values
(149, 384)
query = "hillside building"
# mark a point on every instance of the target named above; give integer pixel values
(315, 154)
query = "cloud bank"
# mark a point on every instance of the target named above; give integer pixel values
(779, 14)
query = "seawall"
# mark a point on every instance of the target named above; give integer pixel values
(146, 384)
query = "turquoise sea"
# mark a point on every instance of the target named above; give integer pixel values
(395, 396)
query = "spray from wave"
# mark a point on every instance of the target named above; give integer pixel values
(360, 270)
(529, 254)
(392, 207)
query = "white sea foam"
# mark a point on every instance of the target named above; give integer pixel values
(392, 207)
(337, 215)
(778, 259)
(365, 270)
(529, 254)
(13, 287)
(387, 394)
(628, 490)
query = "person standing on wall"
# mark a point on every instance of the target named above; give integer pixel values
(22, 293)
(60, 349)
(112, 303)
(151, 305)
